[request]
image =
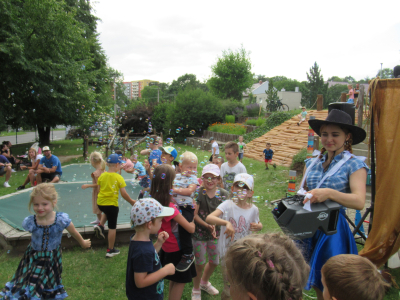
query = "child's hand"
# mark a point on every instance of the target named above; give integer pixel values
(162, 236)
(170, 268)
(230, 231)
(86, 244)
(255, 226)
(84, 186)
(212, 230)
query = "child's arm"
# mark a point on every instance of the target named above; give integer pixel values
(256, 226)
(72, 231)
(125, 195)
(185, 191)
(162, 237)
(143, 280)
(189, 227)
(199, 221)
(214, 219)
(85, 186)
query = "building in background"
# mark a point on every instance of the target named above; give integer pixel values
(128, 90)
(133, 89)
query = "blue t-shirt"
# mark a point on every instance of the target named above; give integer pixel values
(4, 159)
(155, 154)
(143, 258)
(49, 163)
(142, 171)
(268, 153)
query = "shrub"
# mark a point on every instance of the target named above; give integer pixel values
(260, 121)
(136, 119)
(229, 128)
(253, 110)
(251, 122)
(232, 107)
(298, 161)
(160, 115)
(229, 119)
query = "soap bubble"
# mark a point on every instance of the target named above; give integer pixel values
(192, 132)
(83, 106)
(51, 90)
(33, 110)
(171, 191)
(14, 105)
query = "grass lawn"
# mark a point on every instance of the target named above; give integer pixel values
(12, 133)
(88, 275)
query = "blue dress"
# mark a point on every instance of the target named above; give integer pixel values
(38, 275)
(319, 248)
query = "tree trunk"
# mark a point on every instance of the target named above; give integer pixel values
(44, 136)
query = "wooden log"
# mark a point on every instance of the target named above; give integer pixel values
(320, 102)
(343, 97)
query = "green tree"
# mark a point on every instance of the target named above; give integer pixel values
(336, 79)
(290, 85)
(315, 86)
(231, 74)
(272, 94)
(150, 93)
(258, 78)
(333, 94)
(184, 81)
(386, 73)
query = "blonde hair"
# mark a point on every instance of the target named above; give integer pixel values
(349, 276)
(249, 200)
(45, 190)
(270, 266)
(33, 149)
(188, 156)
(98, 159)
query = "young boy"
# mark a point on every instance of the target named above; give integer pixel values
(241, 148)
(268, 152)
(232, 166)
(214, 148)
(302, 116)
(154, 155)
(144, 273)
(110, 183)
(218, 160)
(168, 156)
(350, 94)
(184, 186)
(350, 277)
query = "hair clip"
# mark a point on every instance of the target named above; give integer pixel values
(259, 253)
(270, 264)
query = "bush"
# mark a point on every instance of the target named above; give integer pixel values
(251, 122)
(229, 119)
(232, 107)
(253, 110)
(298, 162)
(260, 121)
(230, 128)
(135, 120)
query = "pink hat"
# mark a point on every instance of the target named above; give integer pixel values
(212, 169)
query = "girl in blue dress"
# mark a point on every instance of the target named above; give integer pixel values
(38, 275)
(346, 186)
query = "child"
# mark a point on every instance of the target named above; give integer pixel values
(214, 148)
(218, 160)
(35, 159)
(268, 153)
(99, 164)
(241, 148)
(39, 273)
(232, 166)
(266, 266)
(128, 165)
(168, 156)
(350, 94)
(238, 217)
(302, 116)
(154, 159)
(107, 200)
(161, 186)
(144, 273)
(205, 238)
(356, 93)
(138, 167)
(184, 186)
(349, 277)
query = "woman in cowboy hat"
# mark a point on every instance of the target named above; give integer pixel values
(346, 186)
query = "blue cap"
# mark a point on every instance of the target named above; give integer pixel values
(170, 150)
(115, 159)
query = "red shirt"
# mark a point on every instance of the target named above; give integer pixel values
(171, 227)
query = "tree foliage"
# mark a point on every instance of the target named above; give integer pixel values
(184, 81)
(288, 84)
(333, 94)
(315, 86)
(272, 94)
(386, 73)
(231, 74)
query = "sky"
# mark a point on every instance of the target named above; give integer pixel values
(162, 40)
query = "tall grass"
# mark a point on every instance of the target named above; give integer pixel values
(231, 128)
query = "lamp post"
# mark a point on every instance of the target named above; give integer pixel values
(381, 70)
(115, 100)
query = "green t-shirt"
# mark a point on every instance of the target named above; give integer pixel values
(110, 184)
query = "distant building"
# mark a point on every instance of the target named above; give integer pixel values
(128, 90)
(133, 89)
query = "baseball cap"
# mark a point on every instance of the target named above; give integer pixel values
(115, 159)
(211, 139)
(170, 150)
(46, 148)
(212, 169)
(147, 209)
(246, 179)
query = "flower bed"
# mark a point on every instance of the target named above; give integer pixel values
(230, 128)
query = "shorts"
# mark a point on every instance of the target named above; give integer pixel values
(240, 156)
(111, 213)
(350, 101)
(50, 176)
(268, 160)
(2, 170)
(201, 247)
(175, 258)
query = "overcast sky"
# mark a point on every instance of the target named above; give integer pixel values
(162, 40)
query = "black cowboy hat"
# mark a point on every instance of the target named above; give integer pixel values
(342, 119)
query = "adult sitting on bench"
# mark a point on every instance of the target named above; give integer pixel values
(35, 160)
(49, 167)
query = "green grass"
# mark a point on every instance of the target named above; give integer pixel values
(231, 128)
(12, 133)
(87, 274)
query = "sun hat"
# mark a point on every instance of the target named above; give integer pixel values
(147, 209)
(211, 139)
(342, 119)
(115, 159)
(46, 148)
(212, 169)
(170, 150)
(246, 179)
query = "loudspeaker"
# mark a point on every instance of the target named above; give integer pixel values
(346, 107)
(396, 72)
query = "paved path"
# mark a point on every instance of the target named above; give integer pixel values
(30, 137)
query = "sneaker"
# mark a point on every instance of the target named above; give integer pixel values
(274, 165)
(185, 263)
(6, 184)
(13, 171)
(97, 222)
(112, 252)
(21, 187)
(266, 168)
(196, 295)
(208, 288)
(99, 231)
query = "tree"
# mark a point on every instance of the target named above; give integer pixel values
(315, 86)
(258, 78)
(333, 94)
(290, 85)
(272, 94)
(336, 79)
(154, 92)
(231, 74)
(349, 79)
(386, 73)
(184, 81)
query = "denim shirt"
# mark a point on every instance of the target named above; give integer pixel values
(46, 238)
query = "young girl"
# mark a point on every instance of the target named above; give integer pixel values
(100, 165)
(35, 160)
(238, 218)
(38, 275)
(161, 186)
(267, 266)
(349, 276)
(205, 237)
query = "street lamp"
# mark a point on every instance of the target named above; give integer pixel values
(381, 70)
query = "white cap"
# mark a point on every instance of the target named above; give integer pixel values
(46, 148)
(246, 179)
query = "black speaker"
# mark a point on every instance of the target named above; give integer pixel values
(396, 72)
(346, 107)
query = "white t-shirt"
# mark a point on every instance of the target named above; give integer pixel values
(215, 146)
(38, 157)
(240, 219)
(228, 173)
